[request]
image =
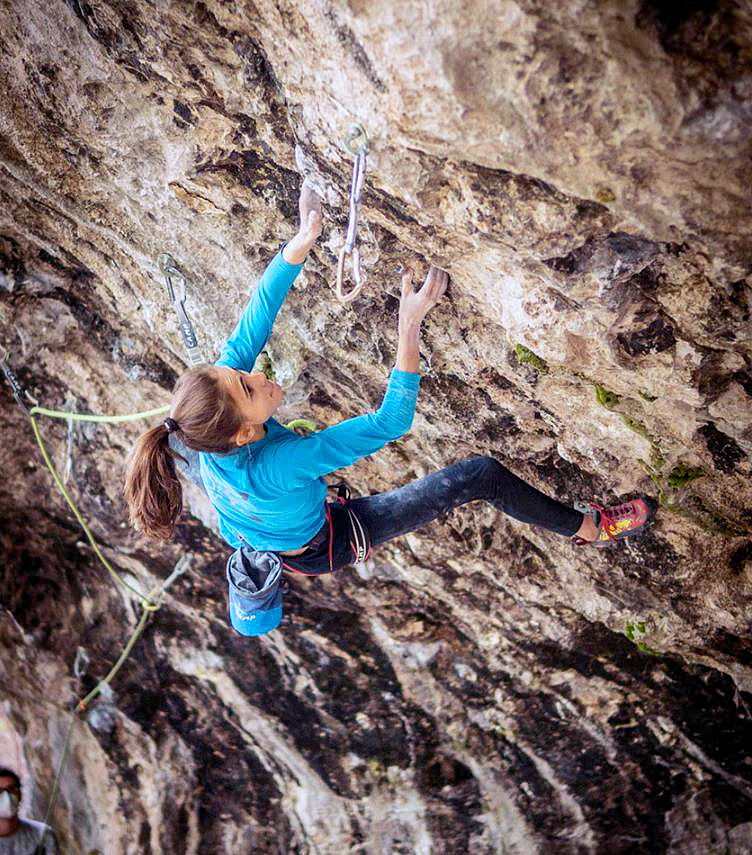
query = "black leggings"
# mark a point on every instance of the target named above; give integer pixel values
(388, 515)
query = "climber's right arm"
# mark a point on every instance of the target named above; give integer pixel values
(255, 325)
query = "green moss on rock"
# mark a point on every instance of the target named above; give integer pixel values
(635, 425)
(656, 457)
(682, 474)
(527, 357)
(264, 365)
(606, 398)
(636, 632)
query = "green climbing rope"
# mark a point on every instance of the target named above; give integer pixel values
(89, 417)
(83, 704)
(307, 424)
(60, 414)
(56, 782)
(149, 603)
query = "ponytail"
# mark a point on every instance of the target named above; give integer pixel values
(205, 419)
(152, 488)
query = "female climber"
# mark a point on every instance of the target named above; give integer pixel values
(266, 482)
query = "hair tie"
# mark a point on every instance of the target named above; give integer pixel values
(171, 425)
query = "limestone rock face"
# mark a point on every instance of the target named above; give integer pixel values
(582, 171)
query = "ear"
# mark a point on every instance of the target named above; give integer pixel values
(247, 433)
(242, 437)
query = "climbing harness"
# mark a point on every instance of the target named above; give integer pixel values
(357, 142)
(173, 277)
(358, 536)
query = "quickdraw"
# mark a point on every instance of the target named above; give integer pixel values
(15, 386)
(359, 136)
(176, 295)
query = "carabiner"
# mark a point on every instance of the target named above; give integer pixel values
(355, 255)
(356, 133)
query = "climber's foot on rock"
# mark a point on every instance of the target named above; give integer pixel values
(604, 526)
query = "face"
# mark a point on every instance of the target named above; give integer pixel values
(254, 395)
(10, 796)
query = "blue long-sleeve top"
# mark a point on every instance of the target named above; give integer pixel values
(271, 492)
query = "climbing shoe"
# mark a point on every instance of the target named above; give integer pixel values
(614, 523)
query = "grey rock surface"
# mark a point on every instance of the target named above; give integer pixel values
(582, 172)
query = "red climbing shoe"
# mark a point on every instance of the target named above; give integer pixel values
(614, 523)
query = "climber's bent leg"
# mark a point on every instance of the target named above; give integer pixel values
(390, 514)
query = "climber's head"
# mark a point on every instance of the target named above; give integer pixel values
(204, 410)
(10, 797)
(214, 408)
(255, 398)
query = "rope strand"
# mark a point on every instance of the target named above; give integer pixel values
(149, 603)
(90, 417)
(117, 578)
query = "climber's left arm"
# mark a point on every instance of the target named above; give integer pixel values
(255, 325)
(309, 206)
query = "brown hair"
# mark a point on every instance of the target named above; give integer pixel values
(207, 421)
(9, 773)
